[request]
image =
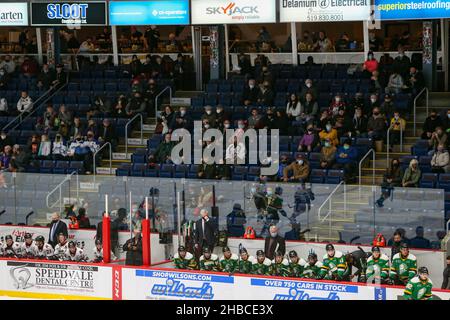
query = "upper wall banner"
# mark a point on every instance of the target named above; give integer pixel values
(157, 12)
(84, 13)
(324, 10)
(233, 12)
(14, 14)
(412, 9)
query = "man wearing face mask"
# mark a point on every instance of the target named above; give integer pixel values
(437, 137)
(346, 157)
(221, 116)
(388, 106)
(359, 123)
(431, 123)
(205, 232)
(392, 178)
(135, 105)
(308, 88)
(266, 95)
(273, 243)
(373, 103)
(376, 125)
(183, 120)
(56, 227)
(402, 62)
(8, 64)
(329, 133)
(297, 171)
(133, 248)
(164, 151)
(250, 94)
(210, 117)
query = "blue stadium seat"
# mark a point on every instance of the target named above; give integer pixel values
(181, 171)
(166, 171)
(444, 181)
(239, 173)
(334, 176)
(428, 180)
(317, 175)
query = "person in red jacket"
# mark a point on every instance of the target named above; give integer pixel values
(370, 65)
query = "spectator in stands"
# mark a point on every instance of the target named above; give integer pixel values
(87, 46)
(323, 120)
(33, 146)
(45, 148)
(100, 105)
(437, 137)
(440, 160)
(395, 242)
(309, 140)
(335, 105)
(263, 36)
(373, 102)
(376, 82)
(135, 105)
(431, 123)
(297, 171)
(412, 175)
(25, 103)
(209, 116)
(73, 45)
(179, 72)
(158, 68)
(60, 76)
(419, 241)
(282, 122)
(83, 220)
(266, 95)
(323, 44)
(255, 120)
(342, 44)
(172, 44)
(274, 243)
(370, 65)
(343, 124)
(327, 155)
(4, 79)
(446, 276)
(359, 122)
(119, 108)
(8, 64)
(270, 121)
(107, 133)
(415, 81)
(65, 115)
(5, 140)
(59, 149)
(183, 120)
(206, 170)
(45, 77)
(387, 107)
(294, 108)
(401, 62)
(391, 179)
(310, 61)
(251, 93)
(5, 157)
(164, 151)
(395, 84)
(329, 133)
(151, 38)
(310, 108)
(309, 88)
(135, 66)
(221, 116)
(76, 128)
(244, 66)
(80, 151)
(133, 248)
(21, 157)
(236, 221)
(265, 76)
(346, 157)
(376, 125)
(29, 67)
(374, 42)
(306, 43)
(92, 126)
(397, 128)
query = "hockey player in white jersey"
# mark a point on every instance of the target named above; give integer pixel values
(27, 248)
(74, 253)
(98, 253)
(10, 248)
(61, 247)
(42, 250)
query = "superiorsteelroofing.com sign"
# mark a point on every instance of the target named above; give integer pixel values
(324, 10)
(14, 14)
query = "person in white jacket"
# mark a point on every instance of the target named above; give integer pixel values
(25, 103)
(440, 160)
(294, 107)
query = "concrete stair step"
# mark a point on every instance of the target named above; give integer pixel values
(367, 180)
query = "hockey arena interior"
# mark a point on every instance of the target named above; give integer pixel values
(225, 150)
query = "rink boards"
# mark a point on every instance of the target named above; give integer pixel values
(59, 280)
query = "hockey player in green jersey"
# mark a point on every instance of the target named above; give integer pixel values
(313, 267)
(261, 265)
(280, 265)
(377, 267)
(404, 266)
(296, 264)
(245, 263)
(229, 261)
(184, 259)
(209, 261)
(334, 265)
(419, 287)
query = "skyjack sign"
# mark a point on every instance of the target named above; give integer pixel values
(238, 11)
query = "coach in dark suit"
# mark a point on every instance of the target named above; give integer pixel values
(274, 243)
(56, 227)
(205, 233)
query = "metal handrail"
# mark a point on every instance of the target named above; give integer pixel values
(110, 157)
(448, 225)
(159, 94)
(327, 199)
(67, 178)
(35, 103)
(388, 144)
(139, 115)
(425, 89)
(373, 165)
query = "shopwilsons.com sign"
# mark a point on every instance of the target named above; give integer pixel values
(324, 10)
(13, 14)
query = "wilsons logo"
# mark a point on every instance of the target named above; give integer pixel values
(174, 288)
(68, 12)
(295, 294)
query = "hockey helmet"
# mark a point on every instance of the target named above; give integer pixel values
(40, 238)
(72, 244)
(292, 254)
(226, 249)
(181, 249)
(329, 247)
(243, 250)
(423, 270)
(260, 253)
(279, 254)
(28, 236)
(98, 242)
(404, 245)
(8, 237)
(376, 249)
(279, 191)
(206, 250)
(312, 255)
